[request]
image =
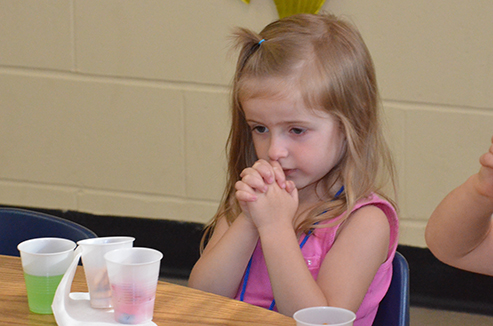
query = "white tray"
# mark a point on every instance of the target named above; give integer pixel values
(74, 309)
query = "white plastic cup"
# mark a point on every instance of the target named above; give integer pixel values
(318, 316)
(44, 261)
(93, 251)
(133, 275)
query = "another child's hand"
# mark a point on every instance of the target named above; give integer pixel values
(485, 175)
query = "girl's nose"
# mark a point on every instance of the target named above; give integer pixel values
(277, 149)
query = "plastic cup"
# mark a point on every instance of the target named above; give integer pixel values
(93, 251)
(133, 275)
(44, 261)
(317, 316)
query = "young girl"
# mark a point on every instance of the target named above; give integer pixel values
(300, 224)
(459, 231)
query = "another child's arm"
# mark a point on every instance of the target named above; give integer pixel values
(459, 230)
(221, 266)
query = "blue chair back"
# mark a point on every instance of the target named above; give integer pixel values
(394, 308)
(17, 225)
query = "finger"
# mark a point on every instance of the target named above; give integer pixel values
(265, 170)
(279, 174)
(242, 186)
(244, 196)
(252, 178)
(486, 160)
(247, 171)
(255, 182)
(293, 190)
(244, 192)
(290, 186)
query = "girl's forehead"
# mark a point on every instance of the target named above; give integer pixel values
(287, 104)
(268, 87)
(278, 88)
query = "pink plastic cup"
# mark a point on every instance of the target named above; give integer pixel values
(133, 275)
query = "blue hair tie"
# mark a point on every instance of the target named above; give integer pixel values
(262, 40)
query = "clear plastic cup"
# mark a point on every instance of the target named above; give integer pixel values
(133, 275)
(93, 251)
(318, 316)
(44, 261)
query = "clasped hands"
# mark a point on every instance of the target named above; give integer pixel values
(265, 196)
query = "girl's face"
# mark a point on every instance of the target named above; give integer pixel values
(307, 143)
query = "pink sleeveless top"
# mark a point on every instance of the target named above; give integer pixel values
(259, 291)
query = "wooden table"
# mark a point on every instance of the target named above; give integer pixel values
(175, 304)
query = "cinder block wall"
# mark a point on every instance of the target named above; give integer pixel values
(120, 107)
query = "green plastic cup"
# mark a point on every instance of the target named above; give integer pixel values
(44, 261)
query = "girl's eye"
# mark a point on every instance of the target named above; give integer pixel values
(260, 129)
(298, 131)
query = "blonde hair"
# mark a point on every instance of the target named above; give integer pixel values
(327, 59)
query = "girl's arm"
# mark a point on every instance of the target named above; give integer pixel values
(346, 272)
(359, 250)
(459, 230)
(221, 267)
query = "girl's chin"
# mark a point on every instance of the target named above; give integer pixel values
(305, 187)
